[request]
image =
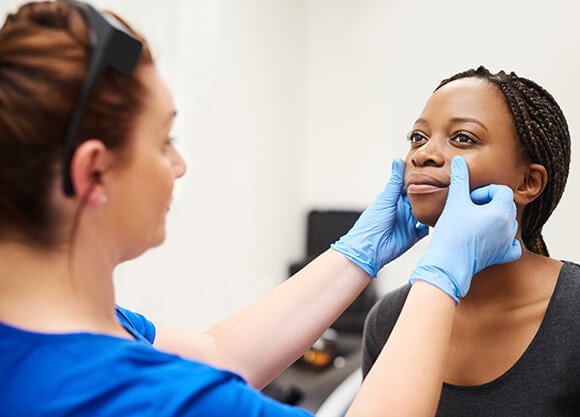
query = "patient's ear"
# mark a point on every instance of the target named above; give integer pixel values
(533, 184)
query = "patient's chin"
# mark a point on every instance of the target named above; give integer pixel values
(427, 208)
(427, 216)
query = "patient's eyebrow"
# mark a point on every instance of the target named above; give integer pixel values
(468, 120)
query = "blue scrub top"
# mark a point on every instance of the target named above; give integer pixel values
(87, 374)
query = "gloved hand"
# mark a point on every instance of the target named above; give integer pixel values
(469, 235)
(385, 230)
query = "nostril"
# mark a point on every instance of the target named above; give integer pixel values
(425, 161)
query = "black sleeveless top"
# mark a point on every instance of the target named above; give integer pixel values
(544, 381)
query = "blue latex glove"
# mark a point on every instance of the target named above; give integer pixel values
(385, 230)
(473, 232)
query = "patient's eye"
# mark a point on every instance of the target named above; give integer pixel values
(415, 137)
(464, 138)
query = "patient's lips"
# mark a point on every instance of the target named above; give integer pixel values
(425, 184)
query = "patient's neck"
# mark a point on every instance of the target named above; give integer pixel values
(530, 277)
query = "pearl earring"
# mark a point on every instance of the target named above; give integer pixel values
(103, 199)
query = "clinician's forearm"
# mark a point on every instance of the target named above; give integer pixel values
(264, 338)
(407, 377)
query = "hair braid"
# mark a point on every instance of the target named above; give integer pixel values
(544, 137)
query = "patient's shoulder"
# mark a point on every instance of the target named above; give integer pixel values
(380, 322)
(389, 306)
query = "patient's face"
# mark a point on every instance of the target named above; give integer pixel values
(467, 117)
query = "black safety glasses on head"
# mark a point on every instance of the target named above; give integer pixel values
(112, 47)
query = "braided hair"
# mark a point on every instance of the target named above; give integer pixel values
(544, 137)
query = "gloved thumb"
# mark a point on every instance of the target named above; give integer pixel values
(459, 180)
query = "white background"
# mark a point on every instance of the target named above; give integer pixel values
(289, 105)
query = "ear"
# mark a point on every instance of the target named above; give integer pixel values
(90, 161)
(533, 184)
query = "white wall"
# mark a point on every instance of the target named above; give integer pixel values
(372, 64)
(287, 105)
(237, 75)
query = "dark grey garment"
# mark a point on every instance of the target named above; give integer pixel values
(545, 381)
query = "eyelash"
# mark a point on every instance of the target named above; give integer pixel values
(170, 141)
(471, 139)
(416, 138)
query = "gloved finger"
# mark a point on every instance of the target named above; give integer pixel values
(394, 187)
(502, 194)
(397, 171)
(496, 192)
(514, 252)
(459, 180)
(421, 230)
(514, 225)
(481, 195)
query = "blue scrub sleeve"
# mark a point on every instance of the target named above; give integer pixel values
(218, 393)
(182, 388)
(136, 323)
